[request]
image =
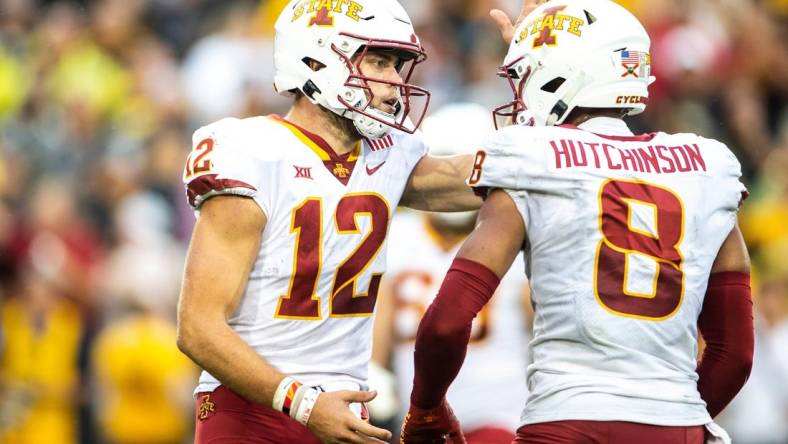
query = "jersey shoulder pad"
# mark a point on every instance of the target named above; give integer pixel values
(403, 148)
(720, 160)
(256, 137)
(729, 162)
(230, 157)
(508, 156)
(727, 169)
(719, 163)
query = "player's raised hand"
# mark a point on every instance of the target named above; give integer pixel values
(431, 426)
(333, 421)
(505, 24)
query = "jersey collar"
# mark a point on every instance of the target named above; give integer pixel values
(611, 128)
(606, 125)
(316, 143)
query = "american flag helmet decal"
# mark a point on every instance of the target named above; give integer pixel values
(635, 63)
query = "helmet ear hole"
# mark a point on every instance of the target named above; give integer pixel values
(553, 85)
(313, 64)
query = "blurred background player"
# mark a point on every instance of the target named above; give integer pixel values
(42, 332)
(44, 320)
(632, 249)
(142, 380)
(421, 248)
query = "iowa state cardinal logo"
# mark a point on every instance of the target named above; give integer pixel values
(206, 408)
(543, 28)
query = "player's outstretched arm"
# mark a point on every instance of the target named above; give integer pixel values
(443, 334)
(438, 184)
(726, 323)
(222, 252)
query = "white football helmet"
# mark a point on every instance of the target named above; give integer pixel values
(337, 34)
(576, 53)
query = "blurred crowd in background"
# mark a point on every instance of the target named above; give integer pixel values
(98, 100)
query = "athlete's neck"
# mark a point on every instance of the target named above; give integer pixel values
(580, 115)
(337, 131)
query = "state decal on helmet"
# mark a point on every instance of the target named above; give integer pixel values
(336, 34)
(576, 53)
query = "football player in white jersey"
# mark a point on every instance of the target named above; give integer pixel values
(287, 254)
(631, 245)
(421, 248)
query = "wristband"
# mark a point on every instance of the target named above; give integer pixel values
(304, 404)
(295, 399)
(285, 394)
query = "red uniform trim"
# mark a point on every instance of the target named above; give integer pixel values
(340, 165)
(203, 185)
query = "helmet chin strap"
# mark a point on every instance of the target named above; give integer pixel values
(369, 127)
(366, 126)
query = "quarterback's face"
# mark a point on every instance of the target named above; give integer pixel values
(384, 66)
